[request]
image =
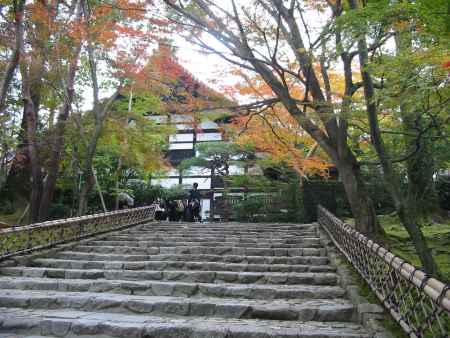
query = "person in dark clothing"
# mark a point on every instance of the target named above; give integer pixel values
(160, 212)
(194, 194)
(194, 203)
(172, 210)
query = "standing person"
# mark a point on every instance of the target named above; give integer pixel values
(194, 203)
(160, 211)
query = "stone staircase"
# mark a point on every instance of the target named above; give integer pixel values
(180, 280)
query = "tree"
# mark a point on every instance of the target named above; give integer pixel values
(58, 43)
(57, 137)
(17, 12)
(272, 39)
(46, 23)
(405, 205)
(218, 157)
(136, 143)
(100, 48)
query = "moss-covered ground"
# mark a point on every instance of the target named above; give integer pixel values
(438, 239)
(398, 241)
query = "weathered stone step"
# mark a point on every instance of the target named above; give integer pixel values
(303, 310)
(211, 227)
(177, 265)
(227, 226)
(314, 260)
(199, 250)
(176, 289)
(317, 278)
(306, 243)
(244, 236)
(184, 235)
(223, 232)
(235, 239)
(70, 323)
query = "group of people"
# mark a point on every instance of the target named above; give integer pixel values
(180, 210)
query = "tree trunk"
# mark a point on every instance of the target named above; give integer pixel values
(31, 74)
(75, 164)
(422, 197)
(84, 194)
(408, 219)
(99, 190)
(361, 204)
(36, 172)
(407, 216)
(57, 143)
(119, 168)
(87, 170)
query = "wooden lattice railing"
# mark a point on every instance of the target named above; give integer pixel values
(418, 302)
(24, 239)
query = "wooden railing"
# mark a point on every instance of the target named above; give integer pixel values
(418, 302)
(24, 239)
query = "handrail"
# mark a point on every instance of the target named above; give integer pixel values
(418, 302)
(24, 239)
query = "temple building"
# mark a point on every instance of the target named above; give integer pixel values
(188, 108)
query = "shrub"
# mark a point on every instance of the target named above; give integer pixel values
(248, 209)
(7, 207)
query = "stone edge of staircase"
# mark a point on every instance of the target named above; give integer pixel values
(24, 259)
(370, 315)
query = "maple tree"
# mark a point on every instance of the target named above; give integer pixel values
(326, 79)
(104, 27)
(63, 47)
(47, 22)
(265, 38)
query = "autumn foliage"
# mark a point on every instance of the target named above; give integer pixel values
(180, 91)
(274, 131)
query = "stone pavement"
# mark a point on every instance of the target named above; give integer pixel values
(180, 280)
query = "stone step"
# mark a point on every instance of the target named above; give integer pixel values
(304, 310)
(314, 260)
(317, 278)
(176, 289)
(228, 226)
(200, 250)
(212, 228)
(306, 243)
(250, 236)
(71, 323)
(222, 232)
(177, 265)
(164, 237)
(250, 240)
